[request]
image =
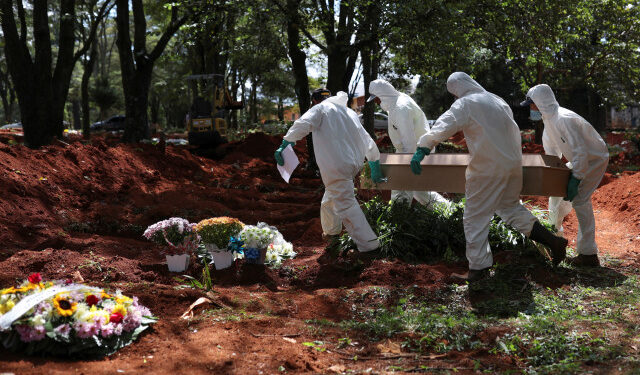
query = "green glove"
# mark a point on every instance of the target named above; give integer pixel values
(278, 153)
(376, 172)
(572, 188)
(420, 153)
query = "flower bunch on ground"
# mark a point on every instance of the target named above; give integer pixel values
(263, 236)
(258, 236)
(277, 252)
(218, 230)
(177, 234)
(67, 319)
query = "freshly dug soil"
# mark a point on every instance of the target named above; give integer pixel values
(80, 210)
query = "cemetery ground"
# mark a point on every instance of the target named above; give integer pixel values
(78, 211)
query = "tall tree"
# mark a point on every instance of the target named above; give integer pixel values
(338, 32)
(299, 66)
(586, 50)
(136, 63)
(7, 92)
(41, 85)
(368, 34)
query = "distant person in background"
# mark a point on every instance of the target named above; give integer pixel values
(568, 134)
(407, 123)
(340, 145)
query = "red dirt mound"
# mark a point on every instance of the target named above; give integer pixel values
(622, 196)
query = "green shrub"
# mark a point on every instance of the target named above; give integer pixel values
(414, 232)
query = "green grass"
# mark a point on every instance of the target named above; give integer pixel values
(589, 322)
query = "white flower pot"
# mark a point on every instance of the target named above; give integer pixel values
(177, 263)
(211, 247)
(222, 259)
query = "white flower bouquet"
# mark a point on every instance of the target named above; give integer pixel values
(265, 244)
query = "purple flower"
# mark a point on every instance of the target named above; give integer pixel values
(117, 330)
(86, 330)
(63, 330)
(77, 296)
(28, 333)
(43, 307)
(132, 320)
(144, 311)
(180, 224)
(107, 330)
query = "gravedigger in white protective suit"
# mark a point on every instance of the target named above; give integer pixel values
(407, 123)
(494, 173)
(340, 144)
(568, 134)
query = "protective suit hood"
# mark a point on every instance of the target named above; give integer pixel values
(385, 91)
(544, 99)
(460, 84)
(341, 98)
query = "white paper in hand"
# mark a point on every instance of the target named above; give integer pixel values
(290, 163)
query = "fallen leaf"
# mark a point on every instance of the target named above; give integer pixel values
(338, 369)
(389, 347)
(189, 313)
(289, 339)
(77, 277)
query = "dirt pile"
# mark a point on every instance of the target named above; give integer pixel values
(54, 194)
(621, 196)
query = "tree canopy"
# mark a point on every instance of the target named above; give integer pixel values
(135, 55)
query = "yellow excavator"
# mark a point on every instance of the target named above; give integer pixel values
(207, 124)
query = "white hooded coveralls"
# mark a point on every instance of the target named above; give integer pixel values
(494, 173)
(567, 133)
(340, 144)
(407, 123)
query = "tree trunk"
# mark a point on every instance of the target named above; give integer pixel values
(280, 109)
(538, 128)
(234, 94)
(77, 118)
(299, 67)
(339, 50)
(253, 111)
(84, 90)
(137, 100)
(370, 61)
(154, 108)
(8, 96)
(42, 86)
(136, 64)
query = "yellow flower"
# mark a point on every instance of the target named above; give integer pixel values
(7, 306)
(63, 306)
(217, 221)
(123, 300)
(119, 309)
(10, 290)
(104, 295)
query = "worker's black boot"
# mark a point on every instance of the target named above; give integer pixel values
(471, 277)
(331, 251)
(584, 261)
(557, 245)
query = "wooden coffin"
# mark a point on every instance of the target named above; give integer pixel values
(542, 174)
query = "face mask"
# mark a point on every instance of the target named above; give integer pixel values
(535, 115)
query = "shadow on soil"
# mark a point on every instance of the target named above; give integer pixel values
(509, 290)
